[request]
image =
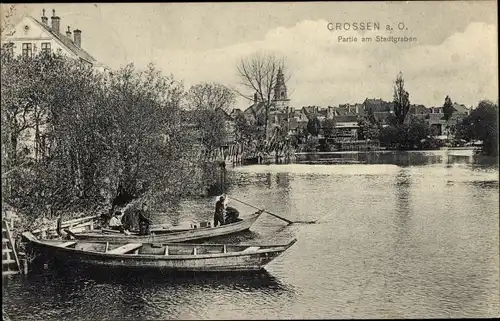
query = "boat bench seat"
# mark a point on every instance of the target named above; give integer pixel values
(125, 248)
(67, 244)
(251, 249)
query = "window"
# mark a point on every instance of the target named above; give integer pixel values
(46, 47)
(27, 50)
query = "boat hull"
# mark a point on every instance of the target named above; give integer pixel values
(233, 261)
(172, 237)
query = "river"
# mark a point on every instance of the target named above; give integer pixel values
(411, 235)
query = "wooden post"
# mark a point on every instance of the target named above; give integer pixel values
(24, 262)
(107, 246)
(166, 250)
(224, 249)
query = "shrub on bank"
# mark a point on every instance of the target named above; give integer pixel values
(71, 136)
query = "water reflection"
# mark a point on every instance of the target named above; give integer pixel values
(153, 295)
(81, 276)
(402, 189)
(411, 158)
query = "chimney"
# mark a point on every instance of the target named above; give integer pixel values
(55, 21)
(78, 37)
(45, 20)
(68, 33)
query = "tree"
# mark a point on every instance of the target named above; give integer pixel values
(481, 124)
(96, 134)
(7, 19)
(447, 108)
(245, 132)
(211, 96)
(405, 136)
(367, 129)
(329, 127)
(417, 130)
(209, 102)
(313, 126)
(259, 74)
(401, 99)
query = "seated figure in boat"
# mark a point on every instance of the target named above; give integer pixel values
(232, 215)
(115, 222)
(144, 220)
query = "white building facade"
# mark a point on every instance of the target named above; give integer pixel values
(31, 36)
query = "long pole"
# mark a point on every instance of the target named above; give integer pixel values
(272, 214)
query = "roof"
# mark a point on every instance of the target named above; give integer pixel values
(343, 111)
(346, 118)
(224, 114)
(377, 105)
(381, 116)
(460, 108)
(255, 108)
(309, 110)
(314, 111)
(418, 109)
(68, 43)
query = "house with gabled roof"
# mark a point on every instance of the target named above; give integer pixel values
(380, 108)
(442, 127)
(31, 36)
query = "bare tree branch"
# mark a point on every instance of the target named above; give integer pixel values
(259, 73)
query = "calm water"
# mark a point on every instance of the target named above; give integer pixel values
(410, 235)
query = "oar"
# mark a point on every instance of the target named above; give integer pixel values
(272, 214)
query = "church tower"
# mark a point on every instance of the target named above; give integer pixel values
(280, 98)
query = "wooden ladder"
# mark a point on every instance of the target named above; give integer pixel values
(10, 261)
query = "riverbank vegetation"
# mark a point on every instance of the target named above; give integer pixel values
(481, 124)
(73, 137)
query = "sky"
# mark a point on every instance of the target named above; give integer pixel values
(455, 52)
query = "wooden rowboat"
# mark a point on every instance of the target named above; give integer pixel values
(170, 236)
(173, 257)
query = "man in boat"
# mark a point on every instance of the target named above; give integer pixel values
(59, 226)
(144, 220)
(127, 221)
(219, 212)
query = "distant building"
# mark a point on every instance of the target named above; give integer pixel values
(229, 126)
(440, 126)
(280, 100)
(344, 110)
(346, 127)
(279, 107)
(380, 109)
(31, 36)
